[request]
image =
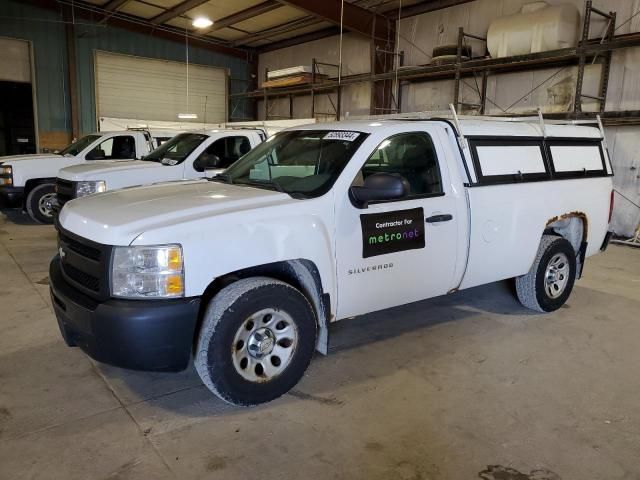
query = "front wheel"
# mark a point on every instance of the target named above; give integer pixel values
(40, 203)
(257, 339)
(550, 280)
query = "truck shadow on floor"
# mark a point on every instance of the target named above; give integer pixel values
(496, 298)
(385, 326)
(16, 216)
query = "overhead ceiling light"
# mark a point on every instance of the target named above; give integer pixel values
(201, 22)
(187, 116)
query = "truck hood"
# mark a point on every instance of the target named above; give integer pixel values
(26, 167)
(92, 170)
(117, 217)
(19, 158)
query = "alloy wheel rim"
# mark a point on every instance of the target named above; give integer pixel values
(556, 276)
(264, 344)
(44, 204)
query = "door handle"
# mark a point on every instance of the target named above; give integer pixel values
(439, 218)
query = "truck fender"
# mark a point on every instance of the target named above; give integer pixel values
(299, 273)
(573, 227)
(31, 184)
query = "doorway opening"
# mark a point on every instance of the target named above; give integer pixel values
(17, 124)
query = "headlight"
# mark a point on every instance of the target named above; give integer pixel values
(90, 187)
(148, 272)
(6, 175)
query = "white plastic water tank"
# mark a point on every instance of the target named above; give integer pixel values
(538, 27)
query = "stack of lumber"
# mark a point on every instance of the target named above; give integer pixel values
(289, 77)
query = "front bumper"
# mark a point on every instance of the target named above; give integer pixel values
(11, 197)
(151, 335)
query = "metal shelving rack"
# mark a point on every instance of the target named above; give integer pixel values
(588, 50)
(314, 88)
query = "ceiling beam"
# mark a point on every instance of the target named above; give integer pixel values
(307, 37)
(241, 16)
(429, 6)
(88, 11)
(114, 5)
(177, 10)
(277, 30)
(355, 19)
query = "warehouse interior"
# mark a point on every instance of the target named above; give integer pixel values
(470, 385)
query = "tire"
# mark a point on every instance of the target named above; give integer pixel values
(550, 280)
(447, 60)
(234, 340)
(38, 203)
(452, 49)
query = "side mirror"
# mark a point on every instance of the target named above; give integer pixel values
(205, 162)
(96, 154)
(379, 187)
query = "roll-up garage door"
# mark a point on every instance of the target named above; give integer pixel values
(150, 89)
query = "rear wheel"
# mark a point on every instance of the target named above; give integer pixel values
(550, 280)
(257, 339)
(40, 203)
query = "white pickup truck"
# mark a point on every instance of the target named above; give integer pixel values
(245, 272)
(189, 155)
(28, 181)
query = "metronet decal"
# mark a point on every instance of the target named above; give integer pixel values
(392, 232)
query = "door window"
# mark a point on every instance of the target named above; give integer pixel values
(222, 153)
(411, 155)
(114, 148)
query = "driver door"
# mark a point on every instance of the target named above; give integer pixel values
(396, 252)
(121, 147)
(221, 154)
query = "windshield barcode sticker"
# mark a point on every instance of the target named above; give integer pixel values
(340, 135)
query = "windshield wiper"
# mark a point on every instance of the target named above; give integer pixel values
(264, 183)
(225, 177)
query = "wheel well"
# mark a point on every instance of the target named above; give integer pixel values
(34, 182)
(571, 226)
(301, 274)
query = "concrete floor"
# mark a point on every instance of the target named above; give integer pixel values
(462, 387)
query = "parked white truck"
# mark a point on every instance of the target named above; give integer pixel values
(189, 155)
(244, 273)
(28, 181)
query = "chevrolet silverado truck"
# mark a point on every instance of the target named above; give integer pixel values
(28, 181)
(245, 272)
(189, 155)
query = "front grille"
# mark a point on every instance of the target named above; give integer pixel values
(89, 281)
(85, 264)
(80, 248)
(65, 191)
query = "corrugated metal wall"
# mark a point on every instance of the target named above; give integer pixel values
(44, 28)
(356, 59)
(115, 40)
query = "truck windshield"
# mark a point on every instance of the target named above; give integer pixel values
(79, 145)
(302, 163)
(177, 149)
